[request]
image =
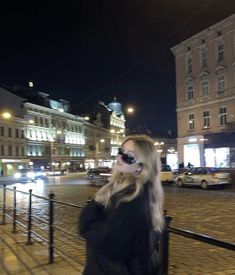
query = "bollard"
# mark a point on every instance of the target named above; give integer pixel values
(14, 211)
(4, 205)
(29, 233)
(164, 246)
(51, 227)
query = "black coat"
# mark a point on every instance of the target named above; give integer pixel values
(120, 240)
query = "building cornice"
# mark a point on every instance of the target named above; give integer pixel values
(55, 112)
(207, 32)
(205, 104)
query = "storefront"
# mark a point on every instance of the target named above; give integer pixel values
(220, 150)
(9, 166)
(215, 150)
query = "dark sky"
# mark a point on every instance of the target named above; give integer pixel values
(90, 50)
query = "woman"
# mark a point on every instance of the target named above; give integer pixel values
(121, 224)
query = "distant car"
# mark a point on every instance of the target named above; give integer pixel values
(166, 174)
(57, 172)
(40, 173)
(25, 175)
(204, 177)
(99, 175)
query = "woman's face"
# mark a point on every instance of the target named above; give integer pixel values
(123, 167)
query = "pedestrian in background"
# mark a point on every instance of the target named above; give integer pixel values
(122, 224)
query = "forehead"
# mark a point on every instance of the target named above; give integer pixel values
(129, 146)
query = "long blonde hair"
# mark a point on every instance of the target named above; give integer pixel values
(150, 174)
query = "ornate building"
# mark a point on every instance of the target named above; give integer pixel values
(48, 135)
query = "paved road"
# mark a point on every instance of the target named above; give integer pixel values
(209, 212)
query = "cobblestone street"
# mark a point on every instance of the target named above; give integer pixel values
(208, 212)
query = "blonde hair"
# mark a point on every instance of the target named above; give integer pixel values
(150, 161)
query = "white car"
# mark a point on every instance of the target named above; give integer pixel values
(204, 177)
(166, 174)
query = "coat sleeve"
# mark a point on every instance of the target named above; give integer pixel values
(111, 234)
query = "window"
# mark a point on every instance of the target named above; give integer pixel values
(204, 57)
(220, 50)
(189, 89)
(206, 119)
(191, 122)
(10, 150)
(204, 85)
(2, 131)
(9, 132)
(189, 63)
(17, 151)
(2, 150)
(22, 151)
(22, 133)
(36, 120)
(17, 133)
(222, 116)
(220, 81)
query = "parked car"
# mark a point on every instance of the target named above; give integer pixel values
(25, 175)
(99, 175)
(204, 177)
(166, 174)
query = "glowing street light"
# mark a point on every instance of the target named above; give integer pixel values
(6, 115)
(31, 121)
(86, 118)
(130, 110)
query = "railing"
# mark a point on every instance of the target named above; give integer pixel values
(48, 235)
(164, 242)
(25, 218)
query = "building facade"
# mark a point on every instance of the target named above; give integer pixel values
(42, 132)
(205, 92)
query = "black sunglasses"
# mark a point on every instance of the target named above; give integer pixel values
(128, 159)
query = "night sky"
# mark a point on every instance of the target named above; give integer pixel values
(94, 50)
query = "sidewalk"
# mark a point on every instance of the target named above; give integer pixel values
(16, 257)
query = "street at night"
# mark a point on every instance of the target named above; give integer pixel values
(208, 212)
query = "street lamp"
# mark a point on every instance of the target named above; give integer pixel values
(130, 110)
(6, 115)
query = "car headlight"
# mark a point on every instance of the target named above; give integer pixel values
(57, 172)
(17, 175)
(30, 175)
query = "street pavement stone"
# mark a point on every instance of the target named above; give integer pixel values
(208, 212)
